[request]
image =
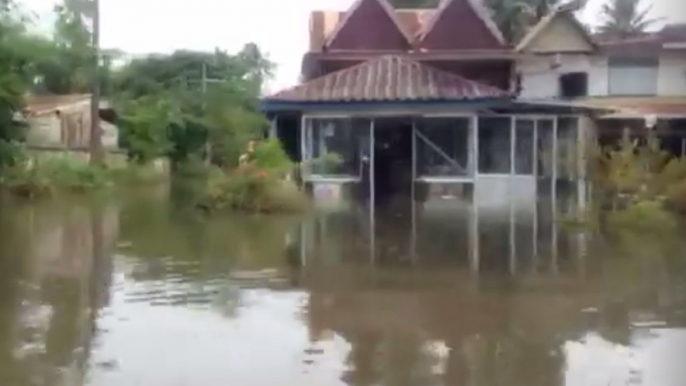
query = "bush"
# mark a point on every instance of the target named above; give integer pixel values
(636, 173)
(252, 189)
(32, 179)
(260, 184)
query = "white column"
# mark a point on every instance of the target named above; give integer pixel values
(475, 146)
(553, 198)
(304, 161)
(413, 199)
(513, 142)
(372, 192)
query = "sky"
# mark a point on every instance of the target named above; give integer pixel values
(279, 27)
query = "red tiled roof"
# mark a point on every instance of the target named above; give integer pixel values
(388, 78)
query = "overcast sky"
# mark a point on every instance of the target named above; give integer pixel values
(279, 27)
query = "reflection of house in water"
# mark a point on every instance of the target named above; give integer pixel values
(451, 227)
(66, 283)
(509, 323)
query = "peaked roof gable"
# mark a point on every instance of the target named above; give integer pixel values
(461, 24)
(387, 79)
(558, 32)
(369, 25)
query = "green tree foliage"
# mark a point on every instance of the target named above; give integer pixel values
(211, 100)
(516, 17)
(66, 64)
(624, 18)
(12, 86)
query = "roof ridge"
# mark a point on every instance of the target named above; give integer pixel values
(561, 10)
(390, 12)
(479, 9)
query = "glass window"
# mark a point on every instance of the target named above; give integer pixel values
(495, 144)
(524, 147)
(633, 76)
(336, 146)
(443, 147)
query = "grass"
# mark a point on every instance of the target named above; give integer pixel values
(51, 176)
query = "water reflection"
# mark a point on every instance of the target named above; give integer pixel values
(54, 275)
(146, 292)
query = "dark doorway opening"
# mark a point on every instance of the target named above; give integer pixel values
(392, 160)
(288, 132)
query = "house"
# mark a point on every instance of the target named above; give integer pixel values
(420, 104)
(639, 80)
(62, 122)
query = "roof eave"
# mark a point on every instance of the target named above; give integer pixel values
(274, 105)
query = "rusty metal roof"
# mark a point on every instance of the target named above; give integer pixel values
(388, 78)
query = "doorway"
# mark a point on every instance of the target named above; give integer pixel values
(392, 161)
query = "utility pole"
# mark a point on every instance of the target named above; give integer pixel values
(95, 150)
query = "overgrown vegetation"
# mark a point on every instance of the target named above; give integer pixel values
(197, 109)
(261, 183)
(35, 178)
(637, 187)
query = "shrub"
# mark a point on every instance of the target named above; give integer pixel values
(252, 189)
(259, 184)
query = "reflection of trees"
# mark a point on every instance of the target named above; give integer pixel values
(178, 256)
(47, 318)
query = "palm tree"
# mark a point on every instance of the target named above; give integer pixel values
(515, 17)
(625, 18)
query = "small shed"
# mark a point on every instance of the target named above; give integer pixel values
(63, 122)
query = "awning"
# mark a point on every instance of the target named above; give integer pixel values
(640, 108)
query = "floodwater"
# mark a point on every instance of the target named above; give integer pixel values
(143, 291)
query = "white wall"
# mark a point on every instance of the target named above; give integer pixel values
(540, 79)
(672, 74)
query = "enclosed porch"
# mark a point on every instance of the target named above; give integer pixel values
(393, 130)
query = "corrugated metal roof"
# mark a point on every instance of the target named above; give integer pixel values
(387, 79)
(48, 104)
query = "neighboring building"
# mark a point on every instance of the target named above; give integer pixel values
(640, 80)
(63, 122)
(560, 59)
(420, 104)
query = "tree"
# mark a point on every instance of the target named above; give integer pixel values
(12, 83)
(625, 18)
(68, 66)
(515, 17)
(214, 97)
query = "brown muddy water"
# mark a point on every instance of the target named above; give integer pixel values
(144, 291)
